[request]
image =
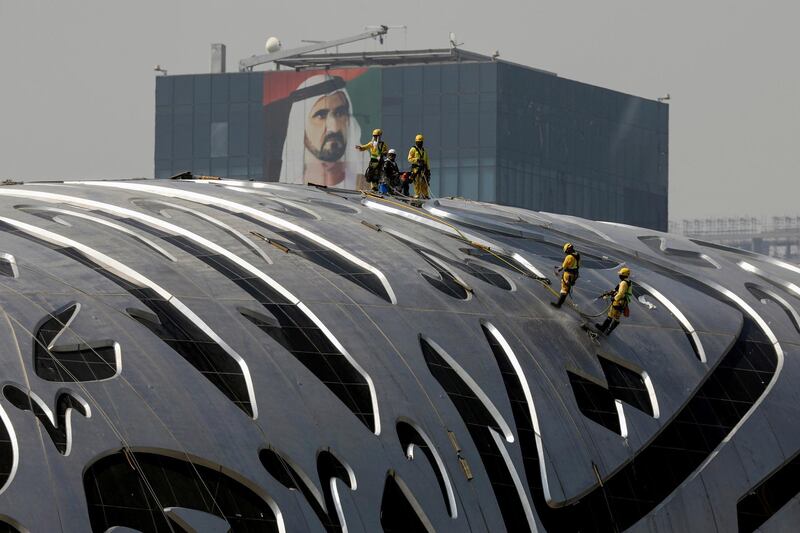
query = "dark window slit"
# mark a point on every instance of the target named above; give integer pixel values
(769, 496)
(468, 267)
(94, 361)
(409, 436)
(323, 257)
(181, 334)
(397, 513)
(328, 468)
(686, 256)
(58, 431)
(478, 421)
(678, 449)
(301, 337)
(119, 495)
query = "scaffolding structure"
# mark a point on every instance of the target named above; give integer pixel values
(775, 236)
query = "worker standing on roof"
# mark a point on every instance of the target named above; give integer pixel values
(622, 294)
(391, 174)
(420, 168)
(377, 151)
(569, 272)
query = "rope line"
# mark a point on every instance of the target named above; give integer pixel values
(544, 282)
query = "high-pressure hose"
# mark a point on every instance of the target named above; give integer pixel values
(545, 282)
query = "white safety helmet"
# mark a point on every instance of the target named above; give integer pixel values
(392, 151)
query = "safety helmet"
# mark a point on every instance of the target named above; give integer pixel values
(377, 132)
(392, 151)
(419, 138)
(624, 272)
(568, 247)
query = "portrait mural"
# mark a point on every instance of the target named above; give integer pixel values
(313, 120)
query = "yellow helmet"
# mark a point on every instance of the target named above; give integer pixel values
(419, 138)
(568, 247)
(377, 132)
(624, 272)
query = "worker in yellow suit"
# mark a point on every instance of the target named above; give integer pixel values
(420, 168)
(569, 273)
(622, 294)
(377, 152)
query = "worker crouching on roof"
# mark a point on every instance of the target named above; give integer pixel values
(377, 151)
(391, 174)
(622, 294)
(569, 273)
(420, 168)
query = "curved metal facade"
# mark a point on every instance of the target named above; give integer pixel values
(258, 357)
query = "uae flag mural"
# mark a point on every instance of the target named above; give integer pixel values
(314, 119)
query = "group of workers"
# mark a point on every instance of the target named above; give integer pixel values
(622, 293)
(383, 175)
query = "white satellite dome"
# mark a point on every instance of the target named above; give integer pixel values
(272, 45)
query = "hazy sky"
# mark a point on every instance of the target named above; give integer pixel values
(77, 87)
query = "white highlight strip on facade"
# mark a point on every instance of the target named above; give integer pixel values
(122, 229)
(788, 307)
(651, 393)
(449, 230)
(12, 437)
(523, 496)
(115, 345)
(273, 198)
(779, 353)
(701, 352)
(172, 192)
(662, 245)
(236, 234)
(524, 262)
(12, 262)
(580, 223)
(248, 184)
(788, 285)
(372, 392)
(458, 279)
(451, 497)
(337, 503)
(526, 390)
(412, 500)
(205, 243)
(475, 388)
(623, 423)
(136, 278)
(51, 416)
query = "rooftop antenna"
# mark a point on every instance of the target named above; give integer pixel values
(381, 38)
(253, 61)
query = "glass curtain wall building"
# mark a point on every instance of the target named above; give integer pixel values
(495, 132)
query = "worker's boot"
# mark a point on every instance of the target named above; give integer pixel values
(614, 324)
(602, 327)
(560, 301)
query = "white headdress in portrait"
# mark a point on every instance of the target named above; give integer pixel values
(294, 150)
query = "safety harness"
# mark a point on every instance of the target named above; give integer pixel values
(379, 149)
(574, 270)
(628, 296)
(420, 157)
